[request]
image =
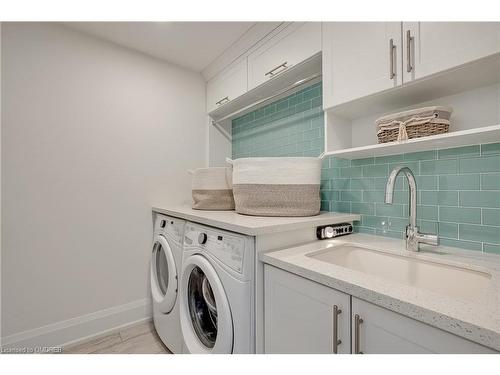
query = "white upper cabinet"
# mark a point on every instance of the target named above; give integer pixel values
(227, 85)
(359, 59)
(292, 45)
(432, 47)
(364, 58)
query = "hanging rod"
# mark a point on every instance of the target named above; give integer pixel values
(269, 98)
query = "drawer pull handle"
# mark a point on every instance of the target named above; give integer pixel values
(336, 341)
(273, 72)
(357, 322)
(222, 101)
(392, 49)
(409, 41)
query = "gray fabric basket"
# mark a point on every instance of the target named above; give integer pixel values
(277, 186)
(212, 189)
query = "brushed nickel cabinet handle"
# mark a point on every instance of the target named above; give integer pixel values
(336, 341)
(272, 73)
(409, 40)
(392, 48)
(357, 322)
(223, 100)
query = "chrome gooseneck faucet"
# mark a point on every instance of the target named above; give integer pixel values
(413, 236)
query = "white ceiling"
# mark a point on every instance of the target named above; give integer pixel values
(193, 45)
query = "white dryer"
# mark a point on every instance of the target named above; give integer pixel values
(166, 263)
(217, 291)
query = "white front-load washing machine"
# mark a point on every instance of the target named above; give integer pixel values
(217, 291)
(166, 263)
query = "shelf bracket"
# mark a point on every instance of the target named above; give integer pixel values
(222, 130)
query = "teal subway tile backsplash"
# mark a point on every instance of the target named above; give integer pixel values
(490, 248)
(428, 183)
(459, 182)
(362, 184)
(442, 198)
(363, 208)
(483, 164)
(375, 170)
(434, 167)
(458, 189)
(491, 217)
(460, 215)
(490, 181)
(392, 210)
(479, 233)
(490, 149)
(427, 212)
(460, 152)
(469, 245)
(422, 155)
(293, 126)
(447, 230)
(480, 199)
(375, 195)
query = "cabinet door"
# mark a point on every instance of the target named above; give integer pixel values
(359, 59)
(292, 45)
(438, 46)
(381, 331)
(299, 315)
(227, 85)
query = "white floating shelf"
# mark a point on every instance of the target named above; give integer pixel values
(487, 134)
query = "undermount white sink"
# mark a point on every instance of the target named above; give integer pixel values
(444, 279)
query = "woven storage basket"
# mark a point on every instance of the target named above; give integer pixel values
(212, 189)
(415, 123)
(277, 186)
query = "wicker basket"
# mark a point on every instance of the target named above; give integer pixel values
(415, 123)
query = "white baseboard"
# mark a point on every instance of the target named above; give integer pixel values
(82, 327)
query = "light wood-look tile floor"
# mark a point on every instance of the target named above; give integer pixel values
(137, 339)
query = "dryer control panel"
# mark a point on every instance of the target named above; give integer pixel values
(226, 247)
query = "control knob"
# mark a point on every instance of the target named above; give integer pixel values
(328, 232)
(202, 238)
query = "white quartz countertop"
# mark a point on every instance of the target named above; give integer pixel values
(253, 225)
(477, 320)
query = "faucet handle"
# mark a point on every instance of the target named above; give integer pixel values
(430, 239)
(414, 238)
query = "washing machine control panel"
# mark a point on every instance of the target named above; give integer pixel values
(172, 228)
(228, 248)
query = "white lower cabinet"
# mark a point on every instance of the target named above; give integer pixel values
(377, 330)
(300, 317)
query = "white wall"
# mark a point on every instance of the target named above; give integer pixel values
(220, 146)
(93, 135)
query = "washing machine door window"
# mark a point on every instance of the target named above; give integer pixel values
(205, 314)
(163, 275)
